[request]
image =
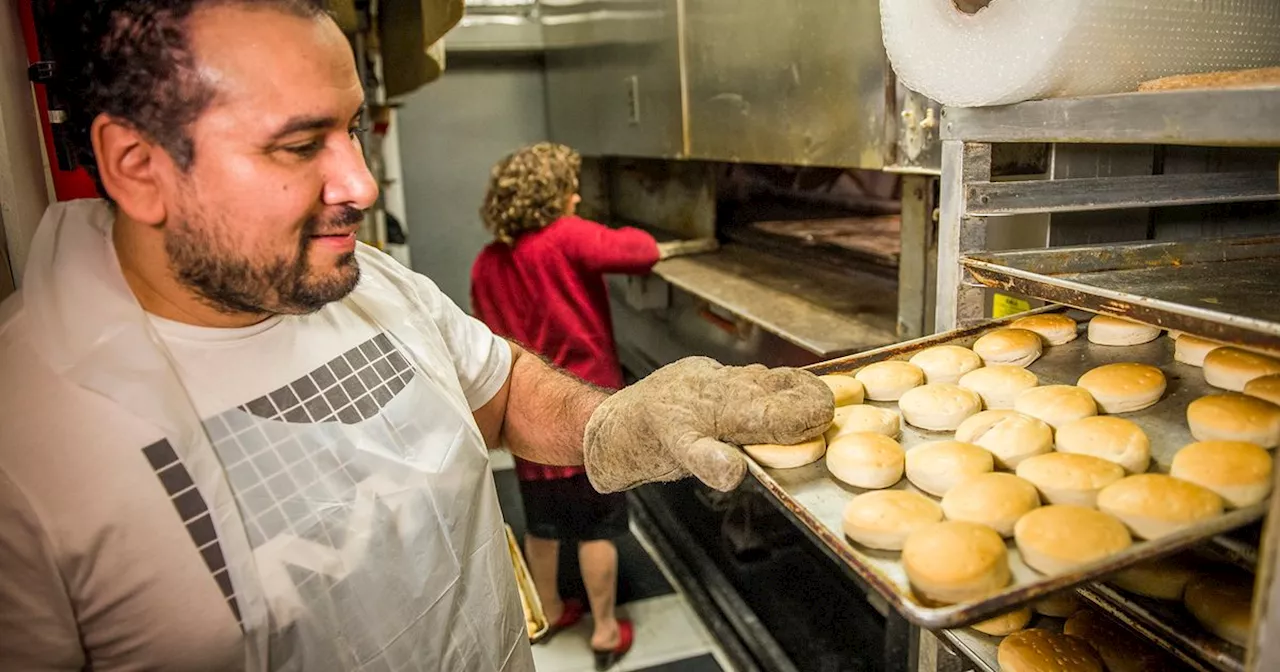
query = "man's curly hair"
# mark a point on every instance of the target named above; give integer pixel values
(132, 60)
(530, 189)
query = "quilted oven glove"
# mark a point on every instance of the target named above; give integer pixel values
(685, 418)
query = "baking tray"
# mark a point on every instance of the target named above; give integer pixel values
(1169, 626)
(1220, 288)
(810, 496)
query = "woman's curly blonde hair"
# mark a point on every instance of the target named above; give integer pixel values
(530, 189)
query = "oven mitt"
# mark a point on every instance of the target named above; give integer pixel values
(689, 418)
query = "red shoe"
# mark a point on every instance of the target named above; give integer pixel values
(573, 612)
(626, 637)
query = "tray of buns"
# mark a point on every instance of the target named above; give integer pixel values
(973, 472)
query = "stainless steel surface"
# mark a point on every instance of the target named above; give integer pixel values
(817, 500)
(1214, 117)
(1224, 289)
(917, 263)
(959, 304)
(1103, 193)
(820, 311)
(1169, 626)
(497, 25)
(918, 150)
(678, 197)
(778, 81)
(606, 60)
(1263, 653)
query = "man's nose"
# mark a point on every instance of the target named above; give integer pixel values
(348, 180)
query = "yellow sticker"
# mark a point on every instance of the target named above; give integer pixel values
(1003, 306)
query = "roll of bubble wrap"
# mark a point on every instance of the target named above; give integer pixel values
(1015, 50)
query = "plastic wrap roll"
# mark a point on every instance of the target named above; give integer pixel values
(1013, 50)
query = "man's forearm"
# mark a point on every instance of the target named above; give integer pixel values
(547, 411)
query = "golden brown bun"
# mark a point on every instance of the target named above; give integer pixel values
(1059, 605)
(1016, 347)
(1107, 330)
(1163, 579)
(1064, 478)
(1037, 650)
(1192, 349)
(1120, 650)
(999, 384)
(1053, 328)
(938, 406)
(866, 460)
(1124, 388)
(1004, 624)
(1155, 505)
(846, 389)
(1056, 539)
(1238, 471)
(939, 466)
(1266, 388)
(995, 500)
(885, 518)
(1056, 404)
(1010, 436)
(777, 456)
(1234, 417)
(1222, 603)
(887, 381)
(1233, 368)
(1115, 439)
(859, 418)
(946, 363)
(953, 561)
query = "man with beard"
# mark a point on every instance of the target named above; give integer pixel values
(234, 438)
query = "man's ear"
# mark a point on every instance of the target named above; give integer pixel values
(127, 164)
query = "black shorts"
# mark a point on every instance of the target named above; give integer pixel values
(569, 509)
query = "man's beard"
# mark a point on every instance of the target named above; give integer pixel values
(232, 282)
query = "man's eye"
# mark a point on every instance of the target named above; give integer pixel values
(306, 149)
(357, 132)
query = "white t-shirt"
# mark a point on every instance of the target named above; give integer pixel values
(109, 556)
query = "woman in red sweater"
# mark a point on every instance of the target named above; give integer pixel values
(541, 283)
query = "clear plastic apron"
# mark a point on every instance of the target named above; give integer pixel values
(393, 554)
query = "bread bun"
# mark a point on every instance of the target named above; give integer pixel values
(1015, 347)
(1037, 650)
(938, 406)
(939, 466)
(866, 460)
(953, 561)
(1058, 605)
(1004, 624)
(1191, 350)
(1240, 472)
(1010, 436)
(883, 519)
(887, 381)
(1065, 478)
(1119, 650)
(855, 419)
(999, 384)
(1223, 604)
(1124, 388)
(1053, 328)
(1058, 538)
(777, 456)
(1107, 330)
(995, 500)
(1114, 439)
(1056, 404)
(1233, 368)
(1266, 388)
(1162, 579)
(946, 363)
(846, 389)
(1234, 417)
(1155, 505)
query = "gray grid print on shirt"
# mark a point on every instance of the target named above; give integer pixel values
(279, 470)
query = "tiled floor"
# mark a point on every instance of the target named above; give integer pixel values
(669, 635)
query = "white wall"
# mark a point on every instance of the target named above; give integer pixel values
(24, 191)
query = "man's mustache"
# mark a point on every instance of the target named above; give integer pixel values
(343, 218)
